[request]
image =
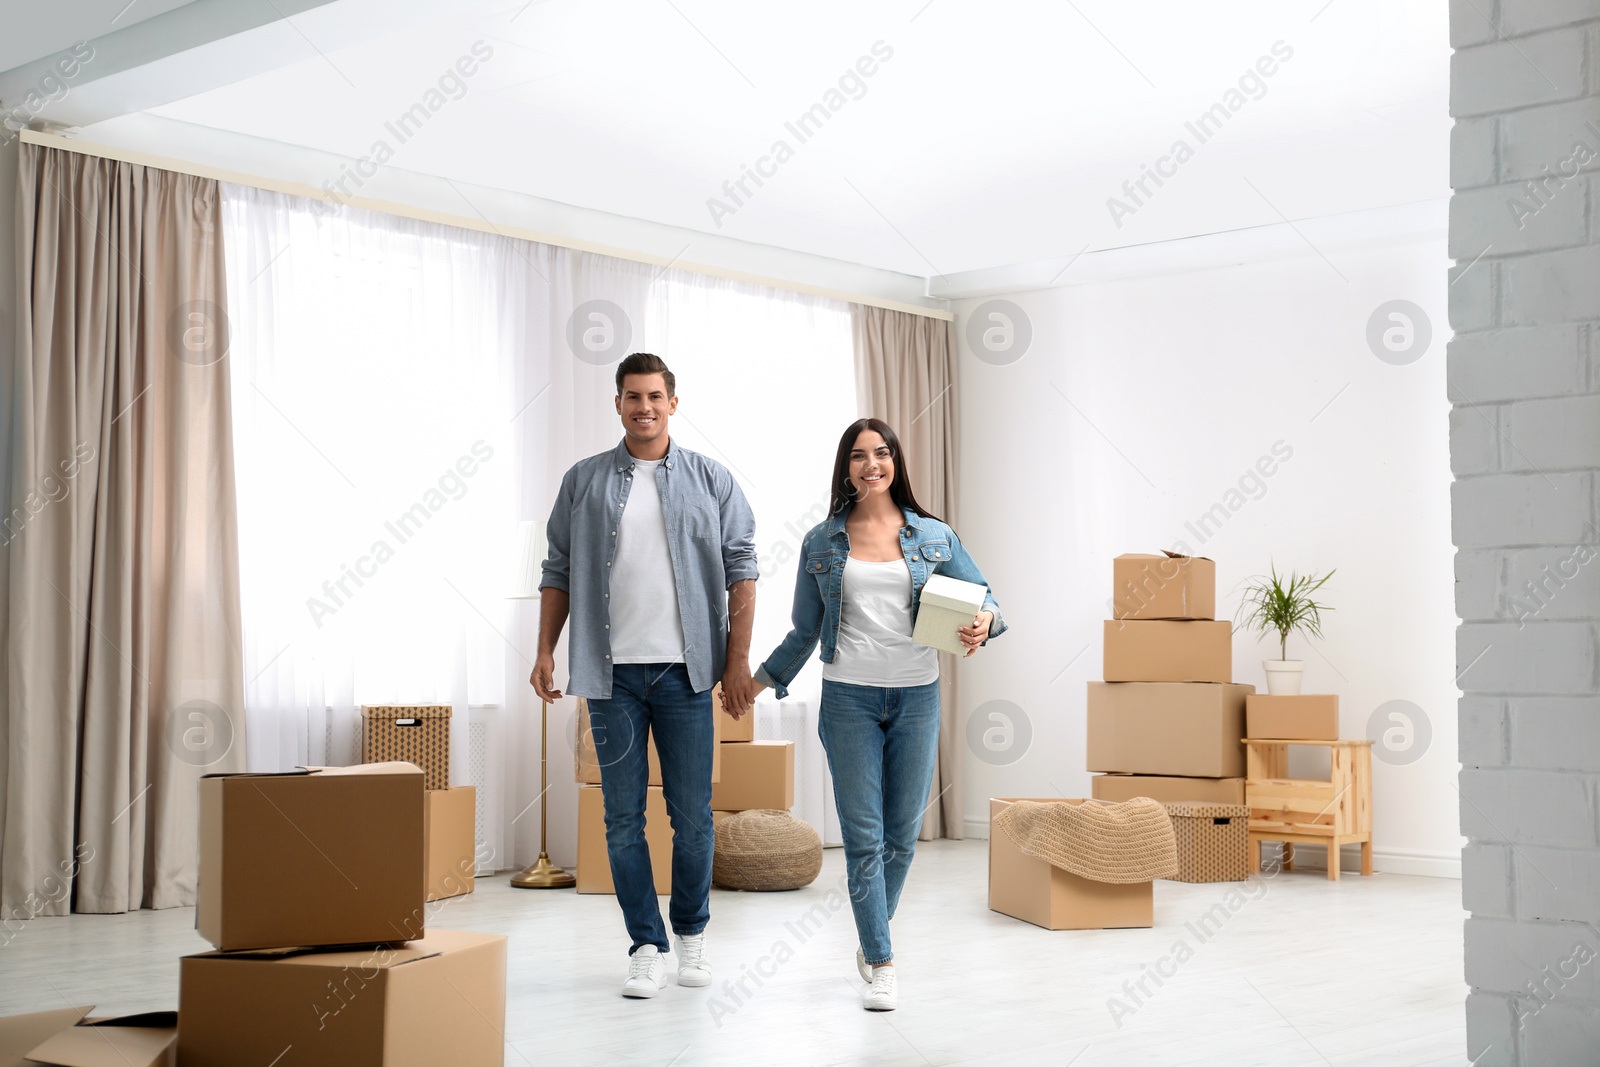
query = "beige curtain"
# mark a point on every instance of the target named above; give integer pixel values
(122, 669)
(906, 376)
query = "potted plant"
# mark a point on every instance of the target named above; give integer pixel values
(1282, 605)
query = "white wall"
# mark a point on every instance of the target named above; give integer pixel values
(1140, 404)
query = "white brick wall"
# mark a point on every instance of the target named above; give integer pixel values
(1525, 447)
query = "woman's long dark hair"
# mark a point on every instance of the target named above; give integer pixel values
(899, 489)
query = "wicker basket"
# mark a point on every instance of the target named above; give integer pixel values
(765, 850)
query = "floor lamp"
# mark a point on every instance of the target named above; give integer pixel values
(542, 874)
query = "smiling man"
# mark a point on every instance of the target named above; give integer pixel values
(652, 552)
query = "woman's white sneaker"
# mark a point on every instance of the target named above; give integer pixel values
(862, 967)
(883, 995)
(693, 970)
(647, 972)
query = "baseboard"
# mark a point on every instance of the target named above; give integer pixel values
(1384, 860)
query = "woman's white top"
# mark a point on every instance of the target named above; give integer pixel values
(875, 646)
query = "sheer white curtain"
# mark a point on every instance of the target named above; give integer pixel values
(404, 393)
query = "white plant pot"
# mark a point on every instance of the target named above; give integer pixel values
(1283, 676)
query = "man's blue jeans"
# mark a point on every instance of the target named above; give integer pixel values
(882, 747)
(657, 697)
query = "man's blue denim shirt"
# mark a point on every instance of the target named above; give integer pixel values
(710, 537)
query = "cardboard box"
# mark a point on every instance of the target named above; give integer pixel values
(1213, 842)
(412, 733)
(1167, 728)
(145, 1040)
(328, 856)
(944, 606)
(439, 999)
(1027, 888)
(594, 862)
(587, 764)
(1166, 585)
(1120, 787)
(1303, 717)
(449, 841)
(755, 774)
(733, 730)
(1139, 650)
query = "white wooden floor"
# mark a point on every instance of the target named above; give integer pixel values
(1303, 971)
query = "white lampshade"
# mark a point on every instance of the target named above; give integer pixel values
(531, 550)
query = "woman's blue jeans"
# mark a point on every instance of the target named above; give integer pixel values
(882, 745)
(657, 697)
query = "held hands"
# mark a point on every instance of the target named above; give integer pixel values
(976, 634)
(543, 678)
(738, 689)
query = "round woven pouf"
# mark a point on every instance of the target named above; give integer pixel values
(765, 850)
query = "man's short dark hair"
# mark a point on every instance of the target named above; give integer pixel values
(646, 363)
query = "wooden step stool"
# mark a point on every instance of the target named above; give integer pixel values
(1309, 811)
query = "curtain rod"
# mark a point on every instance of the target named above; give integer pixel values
(465, 222)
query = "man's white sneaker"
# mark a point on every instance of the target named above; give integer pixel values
(862, 967)
(693, 970)
(882, 996)
(647, 972)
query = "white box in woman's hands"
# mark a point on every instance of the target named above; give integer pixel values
(946, 605)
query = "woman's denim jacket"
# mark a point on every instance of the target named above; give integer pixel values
(930, 547)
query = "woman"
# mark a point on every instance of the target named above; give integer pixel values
(861, 572)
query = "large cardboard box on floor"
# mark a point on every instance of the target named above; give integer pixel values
(329, 856)
(587, 763)
(67, 1037)
(594, 862)
(1302, 717)
(449, 841)
(1167, 728)
(756, 774)
(1121, 787)
(440, 999)
(1027, 888)
(1163, 586)
(1141, 650)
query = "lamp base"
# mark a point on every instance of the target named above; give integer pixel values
(543, 875)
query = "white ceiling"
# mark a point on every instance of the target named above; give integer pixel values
(993, 135)
(33, 29)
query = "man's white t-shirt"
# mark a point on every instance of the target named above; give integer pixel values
(645, 624)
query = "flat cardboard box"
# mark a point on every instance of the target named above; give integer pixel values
(146, 1040)
(1187, 729)
(755, 774)
(19, 1034)
(1302, 717)
(449, 841)
(1165, 585)
(1121, 787)
(733, 730)
(587, 763)
(594, 862)
(440, 999)
(945, 605)
(1141, 650)
(325, 856)
(1027, 888)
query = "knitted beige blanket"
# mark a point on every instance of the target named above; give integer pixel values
(1118, 843)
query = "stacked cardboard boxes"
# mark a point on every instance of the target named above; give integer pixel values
(420, 734)
(1167, 721)
(311, 887)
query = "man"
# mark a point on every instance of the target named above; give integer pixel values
(652, 551)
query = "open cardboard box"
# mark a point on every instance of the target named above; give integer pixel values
(1027, 888)
(320, 856)
(1165, 585)
(68, 1037)
(437, 1000)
